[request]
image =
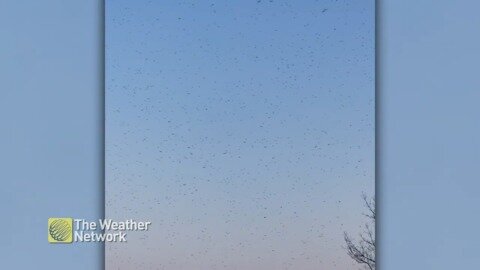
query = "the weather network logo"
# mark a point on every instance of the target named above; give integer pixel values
(60, 230)
(68, 230)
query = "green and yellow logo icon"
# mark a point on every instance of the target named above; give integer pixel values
(60, 230)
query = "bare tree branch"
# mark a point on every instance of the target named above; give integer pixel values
(363, 250)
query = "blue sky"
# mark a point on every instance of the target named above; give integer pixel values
(244, 131)
(429, 137)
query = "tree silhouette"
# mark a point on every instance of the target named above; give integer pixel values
(362, 250)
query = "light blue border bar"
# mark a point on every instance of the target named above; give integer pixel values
(51, 115)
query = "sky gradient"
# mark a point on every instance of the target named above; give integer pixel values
(244, 131)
